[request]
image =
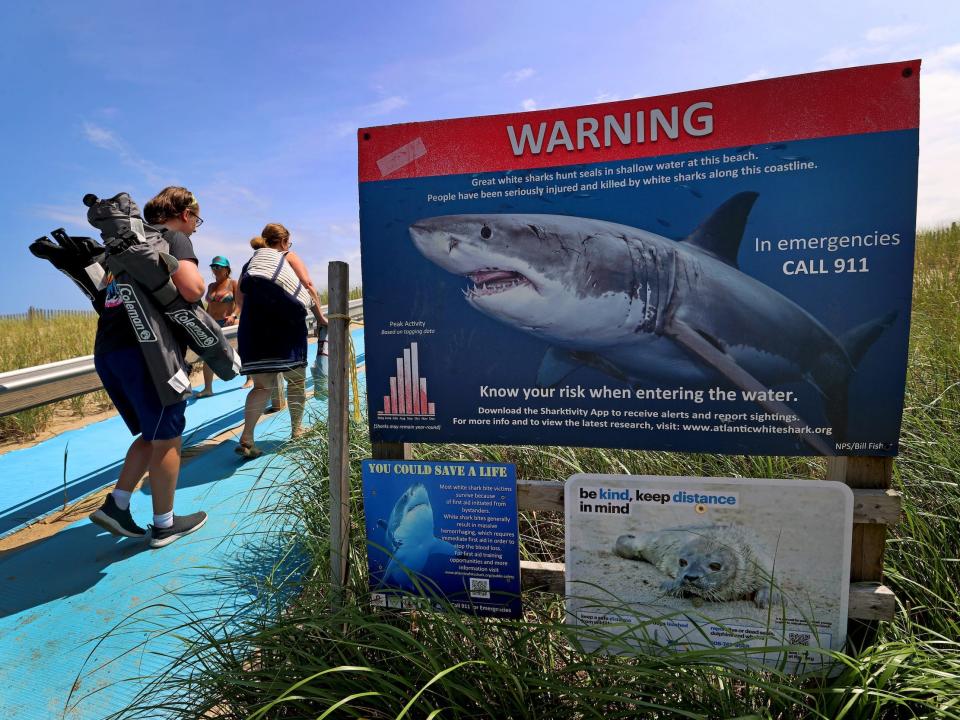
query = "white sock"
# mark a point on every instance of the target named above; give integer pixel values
(163, 521)
(121, 498)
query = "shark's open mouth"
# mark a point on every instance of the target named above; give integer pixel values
(491, 281)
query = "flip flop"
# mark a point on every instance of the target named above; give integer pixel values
(248, 452)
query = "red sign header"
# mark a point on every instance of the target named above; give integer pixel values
(874, 98)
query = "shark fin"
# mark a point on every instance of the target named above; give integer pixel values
(555, 367)
(858, 340)
(442, 547)
(557, 364)
(396, 575)
(835, 406)
(707, 350)
(602, 364)
(720, 234)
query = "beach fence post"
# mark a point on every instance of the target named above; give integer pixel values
(869, 540)
(392, 451)
(338, 425)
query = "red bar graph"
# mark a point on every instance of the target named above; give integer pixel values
(408, 389)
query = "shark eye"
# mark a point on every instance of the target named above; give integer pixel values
(683, 563)
(485, 232)
(716, 567)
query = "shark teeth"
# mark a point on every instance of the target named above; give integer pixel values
(492, 281)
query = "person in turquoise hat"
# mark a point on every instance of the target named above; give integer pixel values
(223, 305)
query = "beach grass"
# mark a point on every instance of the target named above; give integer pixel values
(324, 656)
(37, 338)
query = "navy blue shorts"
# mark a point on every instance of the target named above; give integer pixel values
(127, 381)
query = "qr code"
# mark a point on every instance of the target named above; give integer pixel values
(798, 638)
(480, 588)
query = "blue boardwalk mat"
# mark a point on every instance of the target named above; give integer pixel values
(88, 619)
(33, 481)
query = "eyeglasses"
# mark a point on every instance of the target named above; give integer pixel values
(197, 217)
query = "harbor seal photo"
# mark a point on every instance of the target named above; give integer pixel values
(719, 563)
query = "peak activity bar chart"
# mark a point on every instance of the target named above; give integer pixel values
(408, 390)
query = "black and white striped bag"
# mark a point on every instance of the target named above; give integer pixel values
(273, 266)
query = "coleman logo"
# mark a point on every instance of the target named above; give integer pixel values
(135, 312)
(189, 322)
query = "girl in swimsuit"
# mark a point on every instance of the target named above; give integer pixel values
(224, 307)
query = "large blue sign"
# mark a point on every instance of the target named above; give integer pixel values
(446, 529)
(751, 299)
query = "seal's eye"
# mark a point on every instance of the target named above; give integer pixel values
(683, 563)
(485, 232)
(716, 567)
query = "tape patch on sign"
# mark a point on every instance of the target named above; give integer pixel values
(403, 155)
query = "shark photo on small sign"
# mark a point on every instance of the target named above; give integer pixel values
(693, 563)
(442, 534)
(705, 272)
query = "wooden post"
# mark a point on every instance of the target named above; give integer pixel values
(392, 451)
(338, 424)
(278, 399)
(866, 561)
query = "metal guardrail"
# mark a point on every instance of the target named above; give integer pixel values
(43, 384)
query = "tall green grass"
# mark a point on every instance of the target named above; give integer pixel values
(313, 658)
(36, 339)
(923, 555)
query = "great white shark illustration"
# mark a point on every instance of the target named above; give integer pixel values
(410, 537)
(644, 309)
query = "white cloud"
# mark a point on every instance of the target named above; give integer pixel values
(384, 107)
(939, 192)
(940, 59)
(227, 197)
(319, 245)
(529, 104)
(345, 129)
(890, 33)
(364, 114)
(350, 230)
(516, 76)
(101, 137)
(604, 96)
(760, 74)
(67, 216)
(880, 43)
(845, 57)
(208, 242)
(106, 139)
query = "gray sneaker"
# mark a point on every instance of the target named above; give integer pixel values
(117, 521)
(182, 525)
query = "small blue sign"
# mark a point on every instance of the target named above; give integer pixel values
(446, 528)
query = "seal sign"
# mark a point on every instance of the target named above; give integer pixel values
(719, 563)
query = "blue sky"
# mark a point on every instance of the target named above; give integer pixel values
(254, 107)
